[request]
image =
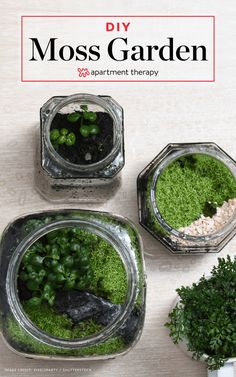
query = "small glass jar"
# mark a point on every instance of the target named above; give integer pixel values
(59, 179)
(124, 329)
(178, 240)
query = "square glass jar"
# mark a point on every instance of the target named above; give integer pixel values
(59, 179)
(177, 240)
(124, 328)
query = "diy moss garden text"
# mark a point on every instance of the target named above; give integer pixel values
(125, 41)
(118, 49)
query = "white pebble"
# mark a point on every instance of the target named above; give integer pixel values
(208, 225)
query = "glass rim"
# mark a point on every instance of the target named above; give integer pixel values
(82, 97)
(188, 150)
(29, 326)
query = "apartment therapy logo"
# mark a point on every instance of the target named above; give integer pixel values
(117, 48)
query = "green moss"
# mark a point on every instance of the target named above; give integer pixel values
(109, 275)
(109, 278)
(24, 342)
(86, 328)
(135, 245)
(189, 184)
(110, 346)
(59, 325)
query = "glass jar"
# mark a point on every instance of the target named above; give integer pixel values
(187, 239)
(124, 328)
(59, 179)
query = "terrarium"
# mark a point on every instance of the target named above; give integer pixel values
(72, 285)
(81, 148)
(187, 197)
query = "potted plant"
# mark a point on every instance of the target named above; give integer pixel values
(73, 285)
(204, 318)
(81, 147)
(187, 197)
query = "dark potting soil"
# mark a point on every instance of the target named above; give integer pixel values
(86, 150)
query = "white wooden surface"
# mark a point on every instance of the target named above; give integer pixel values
(155, 114)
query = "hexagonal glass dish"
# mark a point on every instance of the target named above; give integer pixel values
(211, 229)
(118, 267)
(60, 179)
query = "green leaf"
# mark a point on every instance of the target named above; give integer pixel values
(32, 285)
(55, 253)
(73, 117)
(90, 116)
(68, 261)
(94, 129)
(61, 140)
(54, 134)
(71, 139)
(35, 301)
(64, 131)
(84, 130)
(36, 260)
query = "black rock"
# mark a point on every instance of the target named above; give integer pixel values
(109, 315)
(80, 305)
(131, 326)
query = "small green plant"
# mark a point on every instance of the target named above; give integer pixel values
(206, 315)
(85, 116)
(59, 137)
(62, 261)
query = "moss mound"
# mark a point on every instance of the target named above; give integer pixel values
(109, 275)
(24, 342)
(191, 186)
(59, 325)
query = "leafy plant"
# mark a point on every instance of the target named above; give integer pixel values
(59, 137)
(55, 260)
(206, 315)
(59, 260)
(85, 116)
